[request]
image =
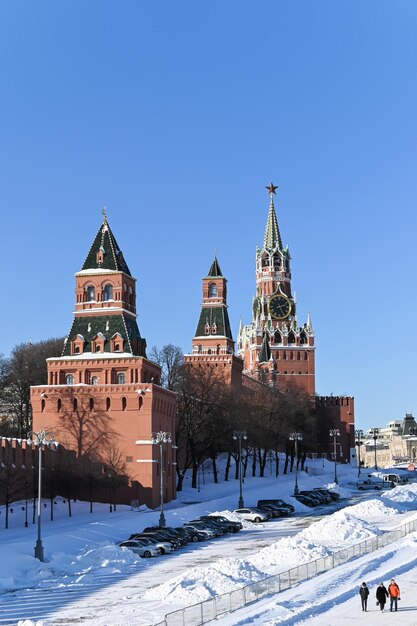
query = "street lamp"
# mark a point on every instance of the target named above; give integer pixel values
(296, 437)
(375, 432)
(42, 438)
(161, 438)
(334, 432)
(238, 435)
(359, 435)
(26, 503)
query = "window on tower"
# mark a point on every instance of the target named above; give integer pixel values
(212, 290)
(108, 292)
(91, 293)
(69, 379)
(121, 378)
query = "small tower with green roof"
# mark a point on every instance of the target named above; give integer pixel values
(213, 342)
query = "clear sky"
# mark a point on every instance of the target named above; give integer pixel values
(175, 115)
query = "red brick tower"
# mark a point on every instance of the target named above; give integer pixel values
(103, 395)
(275, 349)
(213, 342)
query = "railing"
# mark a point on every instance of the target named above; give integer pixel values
(208, 610)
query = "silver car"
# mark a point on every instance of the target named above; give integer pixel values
(252, 514)
(143, 550)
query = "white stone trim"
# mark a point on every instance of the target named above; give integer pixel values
(146, 461)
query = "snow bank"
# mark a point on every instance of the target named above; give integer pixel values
(339, 528)
(403, 494)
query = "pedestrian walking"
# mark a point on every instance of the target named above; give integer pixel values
(394, 595)
(364, 593)
(381, 595)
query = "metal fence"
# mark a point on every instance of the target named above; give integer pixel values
(208, 610)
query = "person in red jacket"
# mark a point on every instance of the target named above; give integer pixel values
(394, 595)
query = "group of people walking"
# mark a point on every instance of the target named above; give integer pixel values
(382, 593)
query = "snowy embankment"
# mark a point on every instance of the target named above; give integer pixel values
(82, 549)
(346, 527)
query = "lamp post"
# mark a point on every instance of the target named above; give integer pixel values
(42, 438)
(26, 503)
(238, 435)
(359, 435)
(334, 432)
(160, 439)
(375, 432)
(296, 437)
(110, 477)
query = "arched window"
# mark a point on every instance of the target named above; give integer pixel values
(97, 348)
(77, 349)
(59, 405)
(91, 404)
(94, 380)
(303, 337)
(121, 378)
(43, 406)
(108, 404)
(108, 292)
(117, 347)
(277, 337)
(123, 404)
(291, 337)
(140, 403)
(91, 293)
(75, 404)
(212, 290)
(200, 349)
(69, 379)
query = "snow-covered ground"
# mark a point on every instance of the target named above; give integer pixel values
(87, 578)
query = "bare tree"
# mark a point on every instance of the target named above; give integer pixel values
(25, 367)
(171, 361)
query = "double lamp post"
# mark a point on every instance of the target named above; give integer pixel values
(39, 439)
(238, 435)
(335, 432)
(296, 437)
(161, 438)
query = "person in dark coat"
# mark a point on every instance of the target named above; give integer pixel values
(381, 595)
(364, 593)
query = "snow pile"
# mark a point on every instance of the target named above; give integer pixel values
(373, 509)
(339, 528)
(287, 553)
(403, 494)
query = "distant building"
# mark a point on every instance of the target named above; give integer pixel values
(393, 444)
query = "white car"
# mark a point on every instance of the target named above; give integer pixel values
(252, 515)
(145, 551)
(164, 546)
(364, 485)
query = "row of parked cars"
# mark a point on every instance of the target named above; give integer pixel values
(316, 496)
(158, 540)
(264, 510)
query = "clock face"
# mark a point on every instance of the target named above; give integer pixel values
(279, 307)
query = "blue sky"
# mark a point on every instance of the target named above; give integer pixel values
(175, 115)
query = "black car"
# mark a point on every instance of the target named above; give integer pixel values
(232, 527)
(161, 535)
(192, 534)
(277, 511)
(311, 502)
(215, 527)
(333, 494)
(278, 502)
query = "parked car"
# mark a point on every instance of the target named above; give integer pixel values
(194, 535)
(164, 546)
(159, 534)
(375, 485)
(253, 514)
(278, 502)
(173, 533)
(311, 502)
(207, 532)
(333, 494)
(316, 496)
(140, 548)
(214, 526)
(233, 527)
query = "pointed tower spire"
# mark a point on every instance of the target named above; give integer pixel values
(272, 237)
(215, 271)
(309, 324)
(265, 352)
